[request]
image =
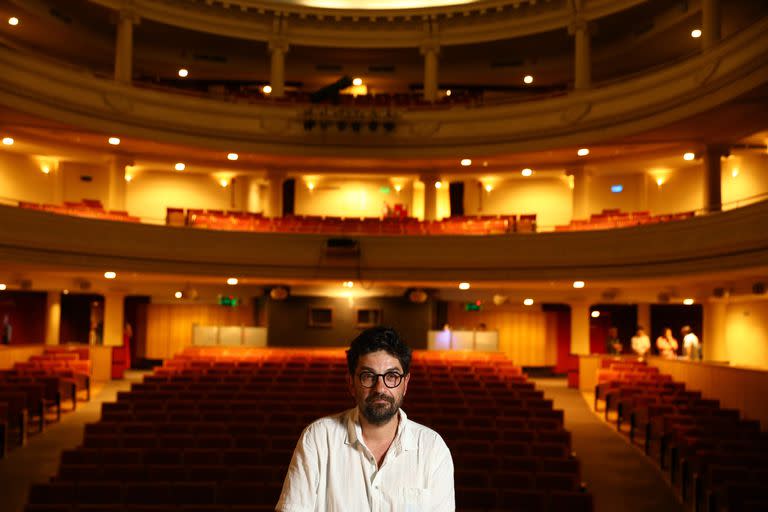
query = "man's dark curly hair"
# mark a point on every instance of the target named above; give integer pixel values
(375, 339)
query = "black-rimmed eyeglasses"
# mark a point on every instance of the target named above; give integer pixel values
(391, 379)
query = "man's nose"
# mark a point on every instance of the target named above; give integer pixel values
(380, 386)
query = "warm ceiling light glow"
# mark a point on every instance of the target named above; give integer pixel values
(595, 314)
(348, 284)
(398, 187)
(233, 156)
(178, 295)
(45, 168)
(448, 92)
(463, 286)
(660, 181)
(183, 73)
(734, 172)
(696, 33)
(357, 81)
(528, 79)
(488, 187)
(13, 21)
(438, 184)
(466, 162)
(65, 291)
(128, 178)
(528, 302)
(583, 152)
(526, 172)
(311, 185)
(689, 156)
(579, 284)
(115, 141)
(688, 302)
(2, 286)
(232, 281)
(223, 182)
(180, 166)
(8, 141)
(267, 89)
(110, 275)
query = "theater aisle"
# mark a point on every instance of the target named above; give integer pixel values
(619, 476)
(39, 459)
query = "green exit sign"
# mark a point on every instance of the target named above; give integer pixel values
(228, 300)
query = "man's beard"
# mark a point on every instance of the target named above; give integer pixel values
(379, 414)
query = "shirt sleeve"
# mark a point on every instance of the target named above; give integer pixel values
(443, 495)
(299, 492)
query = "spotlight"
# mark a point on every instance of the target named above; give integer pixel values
(115, 141)
(579, 284)
(528, 79)
(267, 89)
(183, 73)
(110, 275)
(233, 156)
(595, 314)
(528, 302)
(583, 152)
(696, 33)
(464, 286)
(688, 302)
(689, 156)
(232, 281)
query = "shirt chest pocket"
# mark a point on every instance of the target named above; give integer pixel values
(414, 499)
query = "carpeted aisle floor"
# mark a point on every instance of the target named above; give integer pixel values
(619, 476)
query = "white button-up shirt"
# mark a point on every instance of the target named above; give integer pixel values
(332, 470)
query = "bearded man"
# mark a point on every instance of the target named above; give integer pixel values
(371, 457)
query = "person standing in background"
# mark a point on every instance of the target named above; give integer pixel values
(667, 344)
(641, 343)
(691, 345)
(613, 344)
(7, 331)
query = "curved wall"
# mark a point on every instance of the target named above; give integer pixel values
(632, 106)
(732, 240)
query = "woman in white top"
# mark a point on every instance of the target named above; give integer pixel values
(641, 343)
(667, 344)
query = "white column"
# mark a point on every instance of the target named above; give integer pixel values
(117, 183)
(113, 319)
(581, 179)
(57, 189)
(53, 318)
(430, 51)
(277, 49)
(124, 46)
(430, 196)
(714, 342)
(252, 194)
(710, 23)
(644, 317)
(274, 206)
(579, 28)
(580, 327)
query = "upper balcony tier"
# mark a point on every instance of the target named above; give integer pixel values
(704, 245)
(608, 111)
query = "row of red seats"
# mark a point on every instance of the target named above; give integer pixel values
(697, 439)
(617, 219)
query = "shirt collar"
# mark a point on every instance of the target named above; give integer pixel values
(404, 439)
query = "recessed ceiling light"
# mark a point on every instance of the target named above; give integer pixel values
(696, 33)
(438, 184)
(398, 187)
(689, 156)
(183, 73)
(13, 21)
(448, 92)
(223, 182)
(178, 295)
(528, 302)
(45, 168)
(464, 286)
(357, 81)
(115, 141)
(3, 286)
(526, 172)
(233, 156)
(110, 275)
(528, 79)
(595, 314)
(267, 89)
(65, 291)
(232, 281)
(180, 166)
(579, 284)
(488, 187)
(688, 302)
(128, 178)
(583, 152)
(466, 162)
(8, 141)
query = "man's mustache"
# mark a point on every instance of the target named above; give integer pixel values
(373, 398)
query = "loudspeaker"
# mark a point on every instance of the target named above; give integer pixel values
(758, 288)
(342, 247)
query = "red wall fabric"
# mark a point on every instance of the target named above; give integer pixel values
(26, 314)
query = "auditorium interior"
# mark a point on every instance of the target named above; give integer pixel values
(202, 203)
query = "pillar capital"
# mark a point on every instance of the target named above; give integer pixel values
(126, 11)
(430, 46)
(579, 25)
(278, 44)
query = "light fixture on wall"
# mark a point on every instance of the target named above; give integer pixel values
(180, 166)
(110, 275)
(3, 287)
(8, 141)
(13, 21)
(528, 79)
(583, 152)
(579, 284)
(183, 72)
(689, 156)
(527, 172)
(499, 299)
(464, 286)
(466, 162)
(418, 296)
(232, 281)
(233, 156)
(45, 169)
(595, 314)
(528, 302)
(696, 33)
(278, 293)
(267, 89)
(688, 302)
